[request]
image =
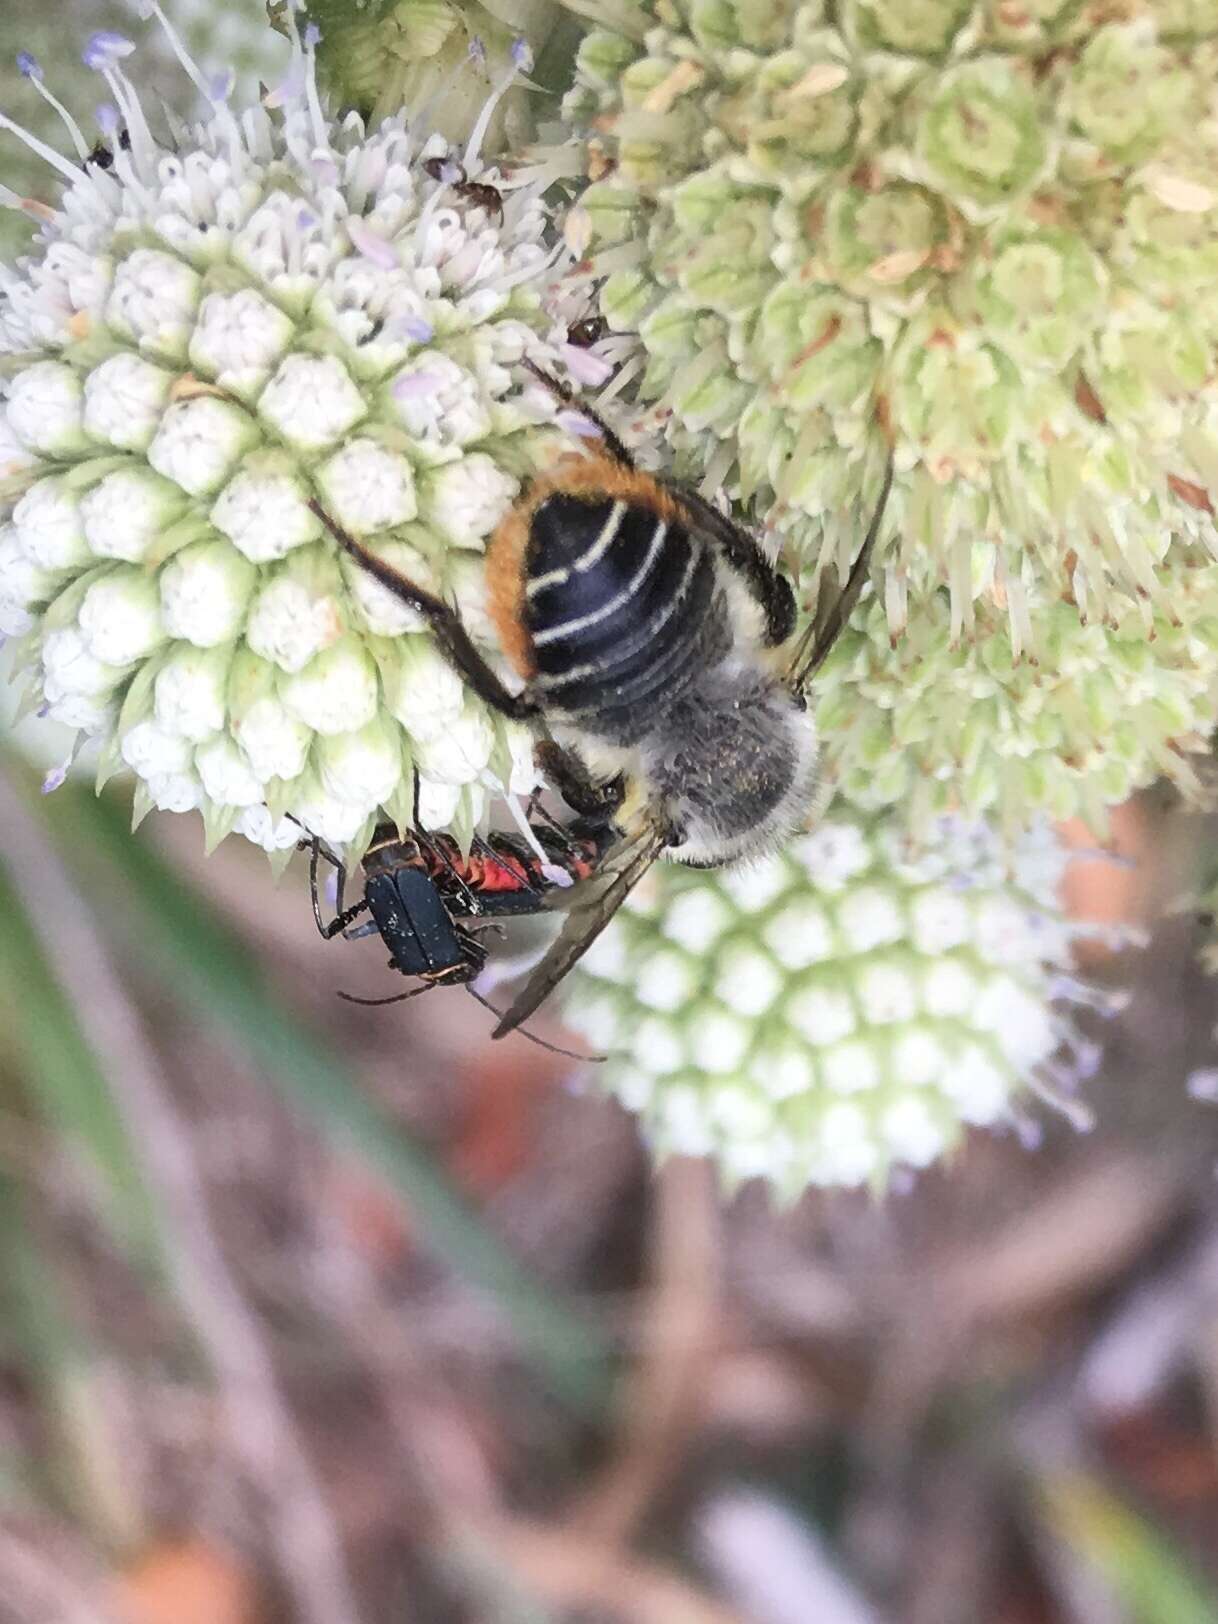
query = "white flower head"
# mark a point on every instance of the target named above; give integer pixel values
(859, 1007)
(228, 344)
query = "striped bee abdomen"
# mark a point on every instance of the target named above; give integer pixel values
(619, 606)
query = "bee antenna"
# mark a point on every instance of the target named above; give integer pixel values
(554, 1048)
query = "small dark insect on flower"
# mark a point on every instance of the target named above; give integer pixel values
(429, 901)
(479, 193)
(649, 631)
(102, 155)
(584, 334)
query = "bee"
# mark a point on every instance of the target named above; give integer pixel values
(651, 634)
(479, 193)
(429, 901)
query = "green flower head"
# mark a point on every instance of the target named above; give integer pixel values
(989, 236)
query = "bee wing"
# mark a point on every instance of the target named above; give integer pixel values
(813, 648)
(592, 906)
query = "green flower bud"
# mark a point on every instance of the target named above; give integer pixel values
(1128, 93)
(980, 136)
(988, 236)
(920, 28)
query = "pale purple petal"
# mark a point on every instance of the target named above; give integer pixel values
(413, 385)
(585, 366)
(575, 423)
(372, 245)
(415, 327)
(105, 48)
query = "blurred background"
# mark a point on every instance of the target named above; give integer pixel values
(315, 1314)
(321, 1313)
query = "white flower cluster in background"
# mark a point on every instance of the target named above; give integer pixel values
(214, 327)
(843, 1007)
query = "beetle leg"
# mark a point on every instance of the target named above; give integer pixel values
(393, 998)
(344, 916)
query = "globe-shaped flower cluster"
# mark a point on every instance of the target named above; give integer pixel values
(216, 329)
(844, 1007)
(988, 233)
(231, 339)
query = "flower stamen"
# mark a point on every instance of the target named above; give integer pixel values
(521, 56)
(31, 69)
(69, 171)
(101, 54)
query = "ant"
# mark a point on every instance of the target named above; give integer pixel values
(479, 193)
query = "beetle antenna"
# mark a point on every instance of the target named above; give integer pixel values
(375, 1003)
(597, 1059)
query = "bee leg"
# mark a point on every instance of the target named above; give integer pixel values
(535, 812)
(561, 391)
(575, 783)
(444, 621)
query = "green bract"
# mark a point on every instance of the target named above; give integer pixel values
(990, 234)
(381, 55)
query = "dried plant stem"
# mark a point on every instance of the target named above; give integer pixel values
(663, 1397)
(568, 1570)
(38, 1583)
(262, 1431)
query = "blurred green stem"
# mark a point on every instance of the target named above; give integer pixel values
(62, 1079)
(86, 1456)
(261, 1428)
